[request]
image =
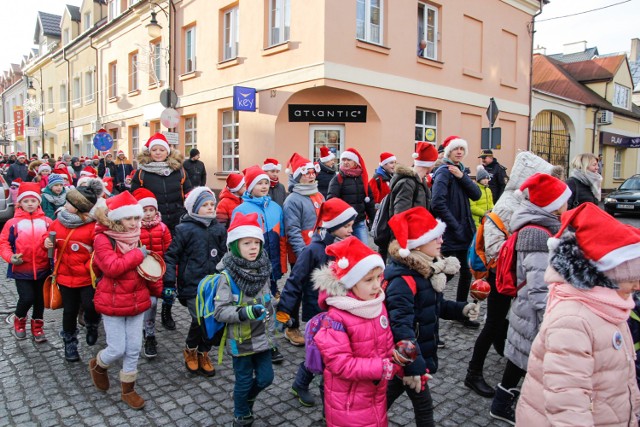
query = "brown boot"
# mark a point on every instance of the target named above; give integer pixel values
(129, 395)
(99, 374)
(191, 359)
(206, 368)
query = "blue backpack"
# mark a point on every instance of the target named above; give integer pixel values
(476, 257)
(206, 304)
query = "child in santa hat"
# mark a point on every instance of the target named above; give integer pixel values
(13, 190)
(276, 190)
(44, 170)
(334, 224)
(54, 195)
(122, 294)
(327, 162)
(230, 198)
(21, 247)
(416, 276)
(380, 183)
(250, 338)
(155, 235)
(196, 249)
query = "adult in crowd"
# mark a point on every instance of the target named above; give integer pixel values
(584, 181)
(276, 190)
(351, 184)
(106, 164)
(452, 189)
(327, 171)
(581, 369)
(195, 169)
(77, 166)
(95, 162)
(497, 172)
(18, 169)
(123, 169)
(380, 183)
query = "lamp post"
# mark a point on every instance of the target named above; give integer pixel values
(31, 92)
(154, 30)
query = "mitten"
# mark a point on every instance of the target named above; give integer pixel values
(413, 382)
(16, 259)
(253, 312)
(144, 250)
(169, 295)
(405, 352)
(284, 320)
(388, 369)
(471, 310)
(423, 379)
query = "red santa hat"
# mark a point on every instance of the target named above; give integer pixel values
(95, 157)
(426, 154)
(415, 227)
(326, 154)
(157, 139)
(453, 142)
(62, 170)
(271, 165)
(253, 175)
(353, 261)
(299, 165)
(124, 205)
(353, 155)
(107, 184)
(119, 152)
(235, 181)
(88, 171)
(21, 155)
(106, 153)
(386, 158)
(16, 182)
(145, 198)
(130, 176)
(29, 189)
(244, 226)
(334, 213)
(545, 191)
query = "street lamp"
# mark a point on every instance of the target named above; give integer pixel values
(154, 29)
(31, 92)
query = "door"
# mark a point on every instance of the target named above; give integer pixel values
(331, 136)
(550, 139)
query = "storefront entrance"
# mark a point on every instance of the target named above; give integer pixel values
(330, 135)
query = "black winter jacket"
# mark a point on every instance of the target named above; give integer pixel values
(196, 172)
(324, 177)
(123, 169)
(498, 180)
(408, 191)
(195, 250)
(352, 191)
(278, 194)
(580, 193)
(102, 169)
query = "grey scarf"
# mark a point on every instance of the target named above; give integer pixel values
(56, 200)
(71, 220)
(592, 179)
(159, 168)
(306, 189)
(206, 220)
(250, 276)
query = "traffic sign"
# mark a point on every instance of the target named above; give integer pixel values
(172, 137)
(170, 118)
(492, 112)
(102, 140)
(168, 98)
(491, 138)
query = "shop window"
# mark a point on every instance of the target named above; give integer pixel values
(369, 14)
(279, 21)
(426, 126)
(617, 163)
(230, 141)
(427, 31)
(190, 134)
(231, 34)
(331, 136)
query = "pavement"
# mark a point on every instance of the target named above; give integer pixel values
(39, 388)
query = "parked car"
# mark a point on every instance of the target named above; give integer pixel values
(626, 199)
(6, 205)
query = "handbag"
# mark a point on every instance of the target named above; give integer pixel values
(50, 289)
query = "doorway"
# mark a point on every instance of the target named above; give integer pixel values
(331, 136)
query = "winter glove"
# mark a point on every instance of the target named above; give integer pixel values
(169, 295)
(413, 382)
(144, 250)
(405, 352)
(283, 320)
(424, 378)
(253, 312)
(471, 310)
(16, 259)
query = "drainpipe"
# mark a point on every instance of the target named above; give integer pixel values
(97, 83)
(43, 113)
(64, 56)
(172, 61)
(593, 136)
(533, 21)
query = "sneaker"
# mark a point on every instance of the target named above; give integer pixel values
(150, 347)
(294, 336)
(276, 357)
(20, 327)
(304, 396)
(441, 343)
(246, 420)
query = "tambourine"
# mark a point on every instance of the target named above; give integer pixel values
(152, 267)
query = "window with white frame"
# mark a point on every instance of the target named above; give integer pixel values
(427, 31)
(87, 21)
(617, 163)
(114, 9)
(190, 49)
(369, 15)
(89, 88)
(155, 73)
(426, 126)
(63, 96)
(279, 21)
(133, 71)
(230, 141)
(77, 92)
(65, 36)
(50, 99)
(621, 95)
(190, 134)
(231, 34)
(113, 79)
(134, 138)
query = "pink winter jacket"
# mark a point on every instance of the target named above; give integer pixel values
(576, 376)
(354, 391)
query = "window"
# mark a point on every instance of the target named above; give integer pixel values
(87, 21)
(134, 137)
(369, 20)
(114, 9)
(617, 163)
(231, 34)
(230, 142)
(621, 96)
(427, 31)
(88, 86)
(133, 71)
(190, 134)
(426, 126)
(50, 99)
(113, 83)
(279, 21)
(63, 97)
(190, 50)
(155, 127)
(155, 73)
(77, 92)
(65, 36)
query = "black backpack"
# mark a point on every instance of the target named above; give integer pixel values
(380, 226)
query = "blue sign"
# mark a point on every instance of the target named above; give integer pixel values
(244, 98)
(103, 141)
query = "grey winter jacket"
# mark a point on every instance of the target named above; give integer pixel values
(406, 187)
(300, 217)
(529, 305)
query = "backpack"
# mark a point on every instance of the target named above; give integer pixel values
(313, 358)
(506, 276)
(213, 331)
(380, 226)
(476, 257)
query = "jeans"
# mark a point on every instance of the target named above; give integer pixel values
(30, 295)
(495, 327)
(124, 340)
(247, 386)
(195, 337)
(464, 282)
(361, 231)
(72, 300)
(150, 318)
(422, 402)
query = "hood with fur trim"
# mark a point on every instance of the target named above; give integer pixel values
(34, 165)
(174, 160)
(326, 283)
(402, 170)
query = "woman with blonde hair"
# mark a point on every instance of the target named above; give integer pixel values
(585, 180)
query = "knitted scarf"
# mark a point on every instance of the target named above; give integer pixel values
(369, 309)
(159, 168)
(305, 189)
(56, 200)
(71, 220)
(274, 182)
(125, 240)
(603, 302)
(155, 221)
(352, 173)
(592, 179)
(206, 220)
(250, 276)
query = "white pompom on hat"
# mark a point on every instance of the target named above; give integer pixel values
(353, 261)
(414, 228)
(244, 226)
(546, 192)
(299, 165)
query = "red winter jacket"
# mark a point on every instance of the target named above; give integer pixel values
(156, 238)
(24, 234)
(228, 202)
(121, 291)
(73, 270)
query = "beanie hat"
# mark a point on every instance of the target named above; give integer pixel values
(353, 155)
(585, 259)
(415, 227)
(196, 198)
(21, 155)
(387, 158)
(299, 165)
(485, 153)
(44, 167)
(124, 205)
(194, 152)
(85, 198)
(353, 260)
(425, 155)
(54, 179)
(235, 181)
(334, 213)
(244, 226)
(271, 165)
(545, 191)
(119, 152)
(29, 189)
(145, 198)
(157, 139)
(482, 173)
(326, 154)
(453, 142)
(253, 175)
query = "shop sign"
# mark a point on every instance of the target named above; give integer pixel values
(617, 140)
(18, 123)
(327, 113)
(244, 98)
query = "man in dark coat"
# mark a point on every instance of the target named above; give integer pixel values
(19, 169)
(123, 169)
(107, 164)
(195, 169)
(327, 171)
(498, 173)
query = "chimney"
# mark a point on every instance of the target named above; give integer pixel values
(634, 55)
(574, 47)
(540, 50)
